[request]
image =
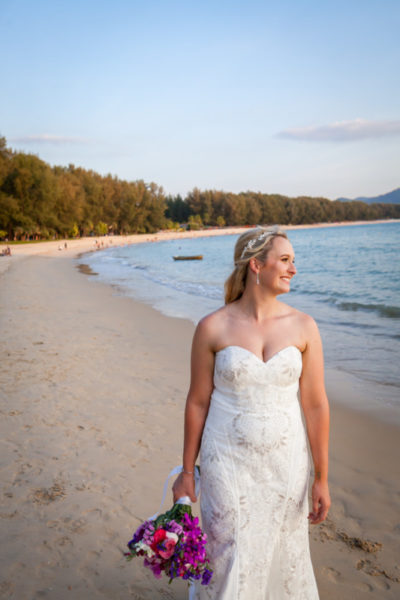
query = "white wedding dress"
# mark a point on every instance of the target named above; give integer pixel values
(254, 480)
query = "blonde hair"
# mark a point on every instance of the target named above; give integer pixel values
(255, 243)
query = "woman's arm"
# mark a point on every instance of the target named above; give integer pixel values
(316, 412)
(197, 404)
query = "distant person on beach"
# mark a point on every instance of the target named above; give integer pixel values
(249, 360)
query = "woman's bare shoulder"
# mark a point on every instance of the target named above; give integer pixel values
(213, 325)
(303, 326)
(215, 320)
(301, 318)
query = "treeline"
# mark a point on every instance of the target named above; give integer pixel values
(42, 202)
(211, 208)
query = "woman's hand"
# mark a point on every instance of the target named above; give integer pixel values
(184, 486)
(321, 502)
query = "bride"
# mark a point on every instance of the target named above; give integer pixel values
(249, 360)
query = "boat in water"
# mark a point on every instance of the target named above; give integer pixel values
(194, 257)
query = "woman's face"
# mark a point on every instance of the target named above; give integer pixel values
(278, 269)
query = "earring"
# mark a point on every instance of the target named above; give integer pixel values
(257, 279)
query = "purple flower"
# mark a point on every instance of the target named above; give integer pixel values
(148, 533)
(206, 577)
(154, 565)
(174, 527)
(138, 535)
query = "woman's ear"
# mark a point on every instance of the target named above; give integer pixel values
(254, 265)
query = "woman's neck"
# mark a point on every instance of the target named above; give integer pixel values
(259, 308)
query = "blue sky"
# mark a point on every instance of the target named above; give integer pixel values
(291, 97)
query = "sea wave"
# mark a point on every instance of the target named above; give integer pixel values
(391, 312)
(193, 289)
(332, 298)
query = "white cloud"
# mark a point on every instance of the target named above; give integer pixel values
(48, 138)
(343, 131)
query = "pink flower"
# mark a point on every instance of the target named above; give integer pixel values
(169, 545)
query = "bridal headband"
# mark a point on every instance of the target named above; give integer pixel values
(251, 243)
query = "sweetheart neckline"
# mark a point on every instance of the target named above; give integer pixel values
(264, 362)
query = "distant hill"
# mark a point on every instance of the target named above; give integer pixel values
(389, 198)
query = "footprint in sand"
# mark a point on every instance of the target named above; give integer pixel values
(328, 531)
(81, 487)
(331, 574)
(76, 526)
(93, 513)
(9, 515)
(374, 569)
(364, 587)
(63, 541)
(45, 496)
(382, 585)
(28, 468)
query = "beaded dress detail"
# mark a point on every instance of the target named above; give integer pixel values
(254, 480)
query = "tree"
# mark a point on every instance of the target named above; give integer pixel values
(177, 209)
(195, 222)
(101, 228)
(74, 231)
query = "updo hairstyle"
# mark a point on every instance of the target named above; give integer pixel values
(255, 243)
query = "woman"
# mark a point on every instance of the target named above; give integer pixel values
(249, 359)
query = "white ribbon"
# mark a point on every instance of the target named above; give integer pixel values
(183, 499)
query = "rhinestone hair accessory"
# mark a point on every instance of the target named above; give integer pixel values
(250, 244)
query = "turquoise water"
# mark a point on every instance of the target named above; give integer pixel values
(348, 279)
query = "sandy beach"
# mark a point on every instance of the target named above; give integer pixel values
(93, 387)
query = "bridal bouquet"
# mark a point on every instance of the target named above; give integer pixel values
(173, 543)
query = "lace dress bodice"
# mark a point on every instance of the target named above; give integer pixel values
(254, 480)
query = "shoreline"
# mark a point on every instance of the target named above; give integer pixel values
(79, 246)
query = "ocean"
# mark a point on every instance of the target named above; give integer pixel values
(348, 279)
